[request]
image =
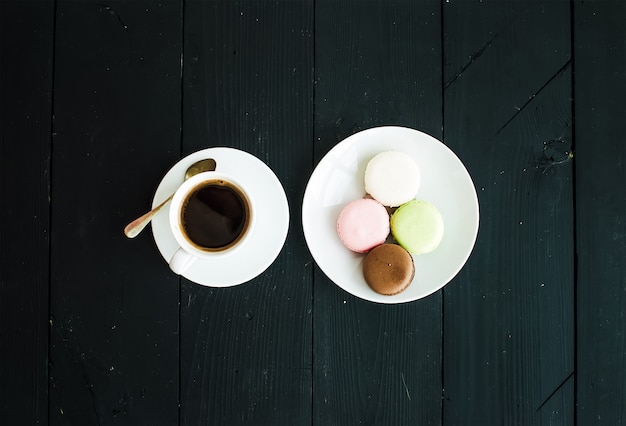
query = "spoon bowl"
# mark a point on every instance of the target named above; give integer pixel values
(136, 226)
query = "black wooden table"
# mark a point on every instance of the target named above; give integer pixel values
(99, 98)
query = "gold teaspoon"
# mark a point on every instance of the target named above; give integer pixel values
(136, 226)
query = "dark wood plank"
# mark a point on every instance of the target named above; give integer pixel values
(509, 315)
(377, 63)
(600, 90)
(25, 107)
(114, 302)
(248, 72)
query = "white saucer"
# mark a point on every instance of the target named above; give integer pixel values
(268, 235)
(338, 179)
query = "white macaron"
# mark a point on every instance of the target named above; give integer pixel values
(392, 178)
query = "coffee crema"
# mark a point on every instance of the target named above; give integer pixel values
(215, 215)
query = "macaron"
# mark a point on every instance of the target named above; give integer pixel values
(417, 226)
(388, 269)
(363, 224)
(392, 178)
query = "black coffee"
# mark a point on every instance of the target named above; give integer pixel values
(215, 215)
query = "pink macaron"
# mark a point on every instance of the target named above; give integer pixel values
(363, 224)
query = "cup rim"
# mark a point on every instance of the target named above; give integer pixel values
(180, 195)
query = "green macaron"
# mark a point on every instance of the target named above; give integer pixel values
(417, 226)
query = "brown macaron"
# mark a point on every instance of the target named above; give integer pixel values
(388, 269)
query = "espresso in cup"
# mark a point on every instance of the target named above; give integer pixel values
(215, 215)
(211, 215)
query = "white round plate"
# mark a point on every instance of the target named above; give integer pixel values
(338, 179)
(268, 235)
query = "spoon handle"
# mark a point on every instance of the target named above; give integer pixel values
(136, 226)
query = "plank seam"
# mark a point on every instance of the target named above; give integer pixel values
(444, 86)
(313, 100)
(574, 211)
(534, 95)
(554, 392)
(473, 58)
(181, 144)
(50, 227)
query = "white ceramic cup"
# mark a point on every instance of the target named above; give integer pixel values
(190, 250)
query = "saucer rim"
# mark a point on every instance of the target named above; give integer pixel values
(256, 261)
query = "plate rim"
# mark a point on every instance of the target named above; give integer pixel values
(475, 206)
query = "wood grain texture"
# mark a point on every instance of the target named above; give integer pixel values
(113, 301)
(25, 110)
(509, 315)
(99, 98)
(377, 63)
(248, 73)
(600, 90)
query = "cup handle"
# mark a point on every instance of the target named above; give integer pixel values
(181, 261)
